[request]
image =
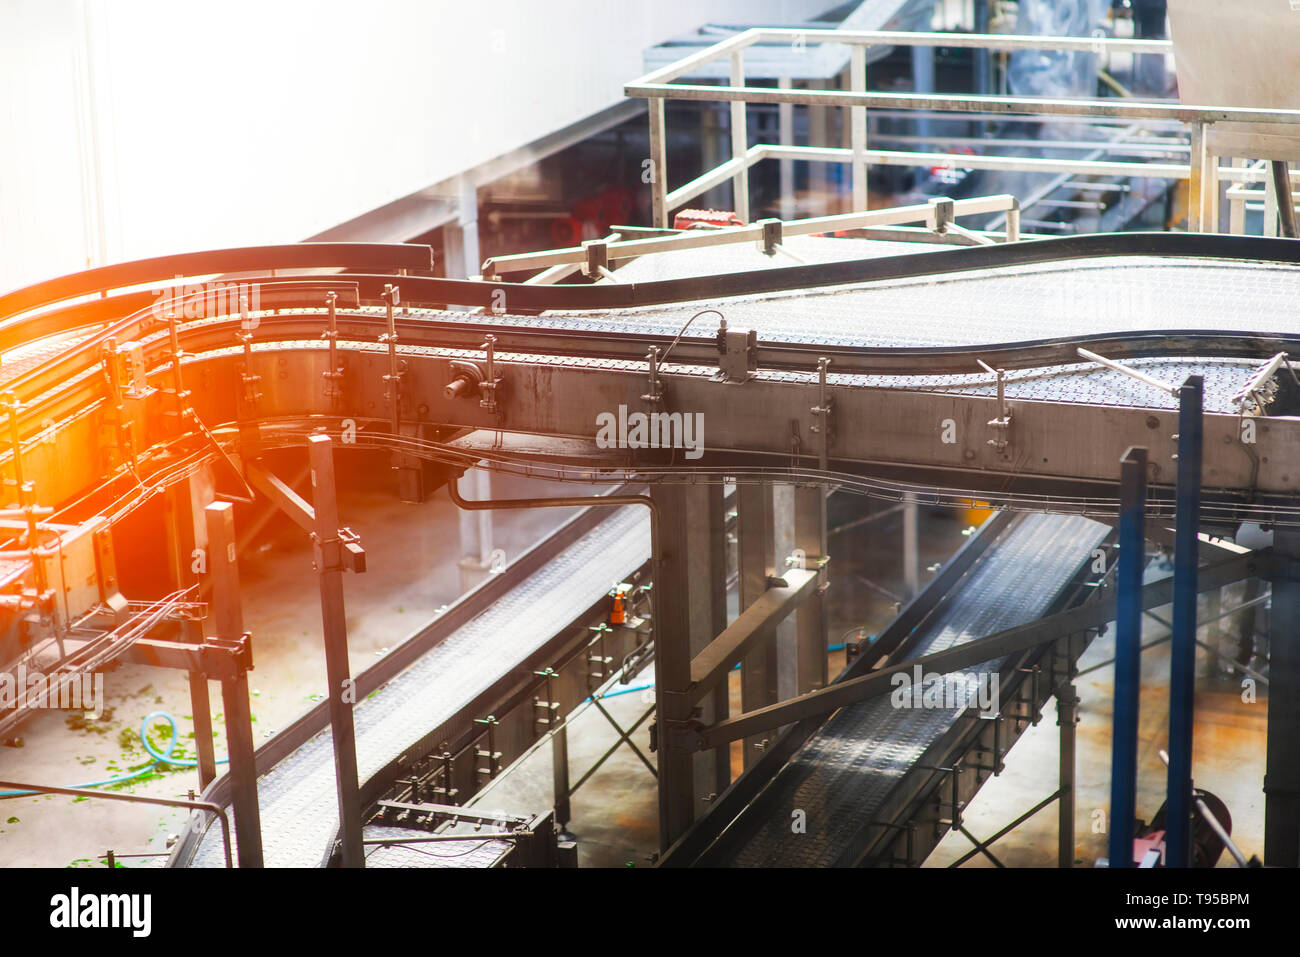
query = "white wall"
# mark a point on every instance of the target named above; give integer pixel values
(132, 128)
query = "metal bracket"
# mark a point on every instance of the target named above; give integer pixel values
(1001, 425)
(339, 554)
(224, 659)
(944, 214)
(654, 395)
(823, 410)
(332, 375)
(738, 353)
(597, 263)
(487, 387)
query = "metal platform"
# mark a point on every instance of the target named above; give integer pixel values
(844, 775)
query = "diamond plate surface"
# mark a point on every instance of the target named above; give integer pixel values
(297, 797)
(842, 776)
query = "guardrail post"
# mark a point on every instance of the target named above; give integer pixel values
(1200, 179)
(858, 127)
(1128, 655)
(658, 171)
(810, 618)
(739, 139)
(1182, 677)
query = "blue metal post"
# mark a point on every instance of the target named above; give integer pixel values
(1128, 655)
(1182, 674)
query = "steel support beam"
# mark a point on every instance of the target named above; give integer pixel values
(201, 709)
(1067, 716)
(672, 626)
(706, 558)
(560, 775)
(1182, 676)
(756, 551)
(1128, 656)
(341, 693)
(785, 556)
(811, 619)
(755, 624)
(1282, 770)
(228, 624)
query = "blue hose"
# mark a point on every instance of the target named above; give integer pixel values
(158, 758)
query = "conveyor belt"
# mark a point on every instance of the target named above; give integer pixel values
(297, 796)
(845, 773)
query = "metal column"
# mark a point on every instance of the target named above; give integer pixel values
(560, 775)
(201, 709)
(341, 691)
(228, 622)
(785, 556)
(911, 553)
(756, 555)
(811, 619)
(706, 559)
(1067, 716)
(672, 624)
(1182, 676)
(1128, 656)
(1282, 770)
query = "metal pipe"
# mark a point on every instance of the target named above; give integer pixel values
(216, 809)
(1285, 204)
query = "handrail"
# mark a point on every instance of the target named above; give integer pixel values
(657, 87)
(216, 809)
(379, 257)
(696, 239)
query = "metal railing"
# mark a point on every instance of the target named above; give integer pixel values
(658, 87)
(594, 256)
(214, 809)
